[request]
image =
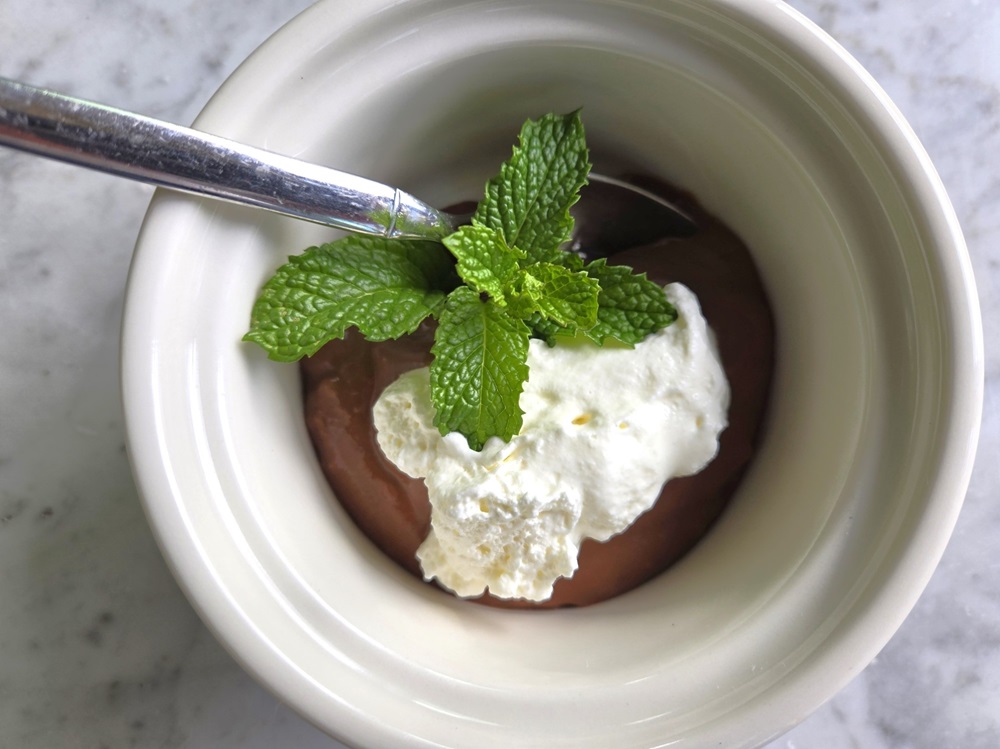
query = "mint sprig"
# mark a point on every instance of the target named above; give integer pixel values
(491, 286)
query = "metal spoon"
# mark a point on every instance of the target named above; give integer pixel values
(159, 153)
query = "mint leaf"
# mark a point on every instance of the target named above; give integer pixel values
(485, 262)
(557, 294)
(529, 201)
(385, 288)
(479, 368)
(569, 260)
(630, 306)
(545, 329)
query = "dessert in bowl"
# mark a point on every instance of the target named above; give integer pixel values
(841, 517)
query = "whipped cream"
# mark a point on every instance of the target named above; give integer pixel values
(604, 428)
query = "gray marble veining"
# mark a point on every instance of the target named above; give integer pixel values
(99, 648)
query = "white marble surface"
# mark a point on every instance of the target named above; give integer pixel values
(99, 649)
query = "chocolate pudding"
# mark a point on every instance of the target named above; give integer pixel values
(343, 380)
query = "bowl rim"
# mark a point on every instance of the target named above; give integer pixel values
(871, 628)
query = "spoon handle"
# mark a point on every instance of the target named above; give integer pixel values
(159, 153)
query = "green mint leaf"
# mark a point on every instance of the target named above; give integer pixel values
(529, 201)
(547, 330)
(569, 260)
(385, 288)
(630, 306)
(479, 368)
(485, 262)
(557, 294)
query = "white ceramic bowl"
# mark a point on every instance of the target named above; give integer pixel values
(847, 509)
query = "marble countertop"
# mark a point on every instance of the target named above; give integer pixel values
(99, 648)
